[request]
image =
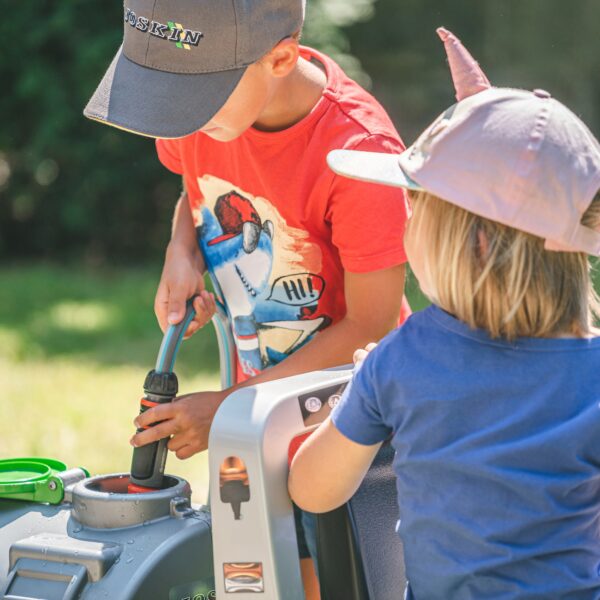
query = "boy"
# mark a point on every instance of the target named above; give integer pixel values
(247, 117)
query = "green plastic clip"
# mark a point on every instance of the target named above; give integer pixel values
(33, 480)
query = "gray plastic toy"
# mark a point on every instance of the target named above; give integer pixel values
(101, 542)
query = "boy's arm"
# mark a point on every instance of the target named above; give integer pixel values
(373, 302)
(328, 469)
(183, 274)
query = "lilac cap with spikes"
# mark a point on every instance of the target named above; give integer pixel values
(467, 75)
(515, 157)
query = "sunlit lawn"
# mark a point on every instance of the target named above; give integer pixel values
(75, 346)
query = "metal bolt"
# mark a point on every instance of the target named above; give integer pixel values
(52, 485)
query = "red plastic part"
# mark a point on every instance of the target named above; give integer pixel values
(148, 403)
(133, 488)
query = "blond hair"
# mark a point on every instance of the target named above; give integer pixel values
(501, 279)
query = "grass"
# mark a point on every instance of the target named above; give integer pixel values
(75, 346)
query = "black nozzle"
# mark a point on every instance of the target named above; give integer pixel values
(148, 462)
(160, 387)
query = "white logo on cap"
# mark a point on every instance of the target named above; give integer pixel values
(171, 31)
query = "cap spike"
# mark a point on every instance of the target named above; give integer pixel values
(467, 75)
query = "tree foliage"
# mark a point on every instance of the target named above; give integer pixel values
(547, 44)
(71, 187)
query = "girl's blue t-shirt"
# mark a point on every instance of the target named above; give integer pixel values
(497, 457)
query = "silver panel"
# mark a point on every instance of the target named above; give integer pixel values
(256, 424)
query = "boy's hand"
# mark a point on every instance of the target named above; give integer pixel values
(182, 277)
(187, 419)
(361, 354)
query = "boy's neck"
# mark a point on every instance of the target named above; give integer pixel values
(294, 98)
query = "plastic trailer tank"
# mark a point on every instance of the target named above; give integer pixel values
(66, 536)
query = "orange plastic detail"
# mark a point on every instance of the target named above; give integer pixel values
(233, 469)
(133, 488)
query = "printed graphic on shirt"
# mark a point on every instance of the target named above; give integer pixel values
(266, 271)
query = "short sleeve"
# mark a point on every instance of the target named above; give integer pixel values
(169, 154)
(357, 415)
(367, 219)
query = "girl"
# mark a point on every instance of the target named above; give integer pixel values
(491, 396)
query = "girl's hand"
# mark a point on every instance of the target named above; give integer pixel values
(361, 354)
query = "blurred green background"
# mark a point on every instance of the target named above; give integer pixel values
(85, 209)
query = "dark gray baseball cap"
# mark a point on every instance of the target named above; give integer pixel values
(181, 59)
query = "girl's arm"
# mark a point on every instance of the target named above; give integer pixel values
(328, 469)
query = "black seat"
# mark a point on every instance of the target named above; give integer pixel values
(360, 555)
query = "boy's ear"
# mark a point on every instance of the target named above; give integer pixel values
(283, 57)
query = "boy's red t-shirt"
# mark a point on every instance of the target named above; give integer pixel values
(278, 228)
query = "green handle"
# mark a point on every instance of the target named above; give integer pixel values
(36, 479)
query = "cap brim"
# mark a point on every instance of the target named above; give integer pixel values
(157, 103)
(374, 167)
